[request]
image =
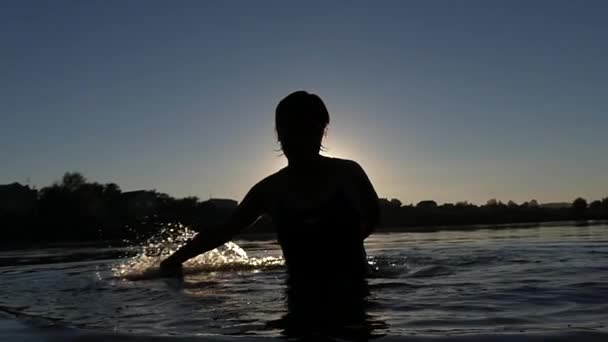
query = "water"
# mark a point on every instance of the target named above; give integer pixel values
(527, 283)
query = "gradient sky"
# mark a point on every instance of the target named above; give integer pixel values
(444, 100)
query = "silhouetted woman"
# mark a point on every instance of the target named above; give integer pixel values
(323, 208)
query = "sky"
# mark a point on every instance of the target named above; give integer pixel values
(443, 100)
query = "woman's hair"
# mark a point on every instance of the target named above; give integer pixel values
(301, 113)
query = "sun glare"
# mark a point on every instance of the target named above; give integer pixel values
(335, 150)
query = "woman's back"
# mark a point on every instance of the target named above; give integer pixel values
(319, 217)
(318, 222)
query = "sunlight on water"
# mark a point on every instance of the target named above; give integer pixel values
(229, 257)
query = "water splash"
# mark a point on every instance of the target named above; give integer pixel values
(229, 257)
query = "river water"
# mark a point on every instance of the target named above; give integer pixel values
(539, 283)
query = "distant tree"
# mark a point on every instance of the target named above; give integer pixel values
(511, 204)
(111, 189)
(72, 181)
(384, 202)
(492, 202)
(580, 203)
(595, 208)
(533, 203)
(395, 203)
(463, 204)
(579, 207)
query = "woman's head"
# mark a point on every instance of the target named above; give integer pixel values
(300, 120)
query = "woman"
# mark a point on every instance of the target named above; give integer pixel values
(323, 208)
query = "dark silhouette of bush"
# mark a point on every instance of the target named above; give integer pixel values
(579, 207)
(595, 209)
(75, 209)
(605, 206)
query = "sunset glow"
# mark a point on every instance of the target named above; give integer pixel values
(447, 107)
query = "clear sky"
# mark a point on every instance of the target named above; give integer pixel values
(444, 100)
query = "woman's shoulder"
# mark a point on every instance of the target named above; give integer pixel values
(345, 165)
(272, 181)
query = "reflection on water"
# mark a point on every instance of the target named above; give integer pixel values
(471, 283)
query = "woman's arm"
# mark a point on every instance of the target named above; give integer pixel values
(248, 211)
(367, 199)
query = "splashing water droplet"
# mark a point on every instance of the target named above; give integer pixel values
(229, 257)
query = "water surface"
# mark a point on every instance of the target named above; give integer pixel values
(531, 283)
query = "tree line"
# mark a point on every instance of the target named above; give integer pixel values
(429, 213)
(74, 209)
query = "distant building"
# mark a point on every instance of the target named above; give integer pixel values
(223, 204)
(216, 210)
(17, 199)
(426, 204)
(141, 203)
